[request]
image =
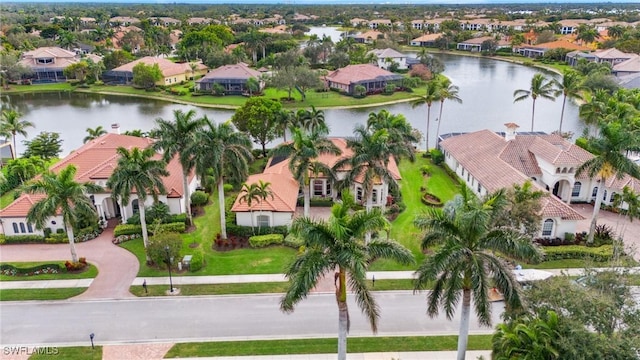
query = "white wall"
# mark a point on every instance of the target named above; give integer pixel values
(560, 227)
(7, 223)
(275, 218)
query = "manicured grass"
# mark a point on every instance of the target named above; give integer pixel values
(39, 294)
(72, 353)
(326, 346)
(402, 228)
(270, 260)
(254, 288)
(6, 199)
(17, 89)
(89, 273)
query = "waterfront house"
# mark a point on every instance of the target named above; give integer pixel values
(48, 63)
(370, 76)
(385, 58)
(172, 73)
(232, 77)
(428, 40)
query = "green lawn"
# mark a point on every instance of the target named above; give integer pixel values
(17, 89)
(326, 346)
(6, 199)
(402, 229)
(90, 272)
(71, 353)
(39, 294)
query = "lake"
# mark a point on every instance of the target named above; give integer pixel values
(486, 88)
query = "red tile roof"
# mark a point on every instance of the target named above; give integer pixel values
(168, 68)
(357, 73)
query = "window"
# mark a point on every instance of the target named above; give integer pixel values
(15, 227)
(22, 228)
(604, 197)
(479, 188)
(547, 227)
(462, 171)
(29, 228)
(328, 188)
(613, 197)
(374, 196)
(359, 194)
(135, 205)
(318, 186)
(45, 61)
(557, 170)
(594, 192)
(576, 189)
(263, 221)
(468, 177)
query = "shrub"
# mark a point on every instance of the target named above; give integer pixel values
(23, 239)
(227, 188)
(199, 198)
(245, 231)
(2, 239)
(126, 229)
(60, 231)
(599, 254)
(197, 260)
(603, 235)
(75, 266)
(437, 156)
(178, 218)
(293, 241)
(425, 170)
(431, 200)
(88, 233)
(57, 239)
(10, 270)
(157, 244)
(265, 240)
(317, 202)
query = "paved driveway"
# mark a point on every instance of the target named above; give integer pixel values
(630, 231)
(117, 267)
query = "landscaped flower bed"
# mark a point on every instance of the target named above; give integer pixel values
(11, 270)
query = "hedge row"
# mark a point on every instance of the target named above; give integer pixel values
(266, 240)
(126, 229)
(599, 254)
(293, 241)
(197, 260)
(246, 231)
(21, 239)
(10, 270)
(317, 202)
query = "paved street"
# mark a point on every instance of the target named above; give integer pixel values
(211, 318)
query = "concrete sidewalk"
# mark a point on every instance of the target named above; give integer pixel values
(46, 284)
(418, 355)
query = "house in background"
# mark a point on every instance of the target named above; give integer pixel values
(428, 40)
(6, 152)
(628, 67)
(612, 56)
(164, 21)
(534, 51)
(123, 20)
(475, 44)
(172, 73)
(232, 77)
(95, 162)
(48, 63)
(368, 37)
(370, 76)
(279, 209)
(386, 57)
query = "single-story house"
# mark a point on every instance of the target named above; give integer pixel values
(199, 21)
(487, 161)
(95, 162)
(370, 76)
(428, 40)
(538, 50)
(164, 21)
(613, 56)
(172, 73)
(48, 63)
(386, 57)
(475, 44)
(279, 209)
(123, 20)
(628, 67)
(232, 77)
(630, 81)
(368, 37)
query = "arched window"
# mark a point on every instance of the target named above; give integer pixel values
(15, 228)
(564, 170)
(613, 197)
(557, 170)
(136, 206)
(547, 227)
(576, 189)
(604, 197)
(29, 228)
(22, 228)
(594, 192)
(571, 170)
(263, 221)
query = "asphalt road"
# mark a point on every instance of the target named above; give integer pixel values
(207, 318)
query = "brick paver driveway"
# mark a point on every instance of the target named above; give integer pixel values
(630, 231)
(117, 267)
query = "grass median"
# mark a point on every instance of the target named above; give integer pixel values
(326, 346)
(40, 294)
(89, 272)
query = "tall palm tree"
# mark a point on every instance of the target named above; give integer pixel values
(313, 120)
(465, 263)
(401, 133)
(303, 151)
(570, 86)
(285, 120)
(94, 133)
(64, 196)
(137, 171)
(255, 193)
(540, 87)
(610, 148)
(432, 95)
(11, 124)
(448, 91)
(631, 199)
(175, 138)
(593, 111)
(227, 153)
(337, 243)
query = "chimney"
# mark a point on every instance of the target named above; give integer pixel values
(510, 134)
(115, 128)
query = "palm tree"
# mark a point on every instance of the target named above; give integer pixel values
(94, 133)
(337, 243)
(175, 138)
(62, 196)
(448, 91)
(433, 94)
(286, 119)
(11, 124)
(615, 31)
(401, 133)
(313, 120)
(593, 111)
(609, 148)
(138, 171)
(226, 152)
(527, 338)
(587, 34)
(570, 86)
(303, 151)
(540, 87)
(255, 192)
(632, 199)
(466, 240)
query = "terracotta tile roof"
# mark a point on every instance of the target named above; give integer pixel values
(427, 37)
(556, 150)
(96, 160)
(371, 34)
(237, 71)
(554, 207)
(629, 65)
(62, 58)
(358, 73)
(167, 67)
(612, 53)
(386, 53)
(619, 184)
(558, 44)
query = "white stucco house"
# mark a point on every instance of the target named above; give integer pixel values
(279, 209)
(386, 57)
(95, 162)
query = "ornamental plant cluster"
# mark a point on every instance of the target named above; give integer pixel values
(76, 266)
